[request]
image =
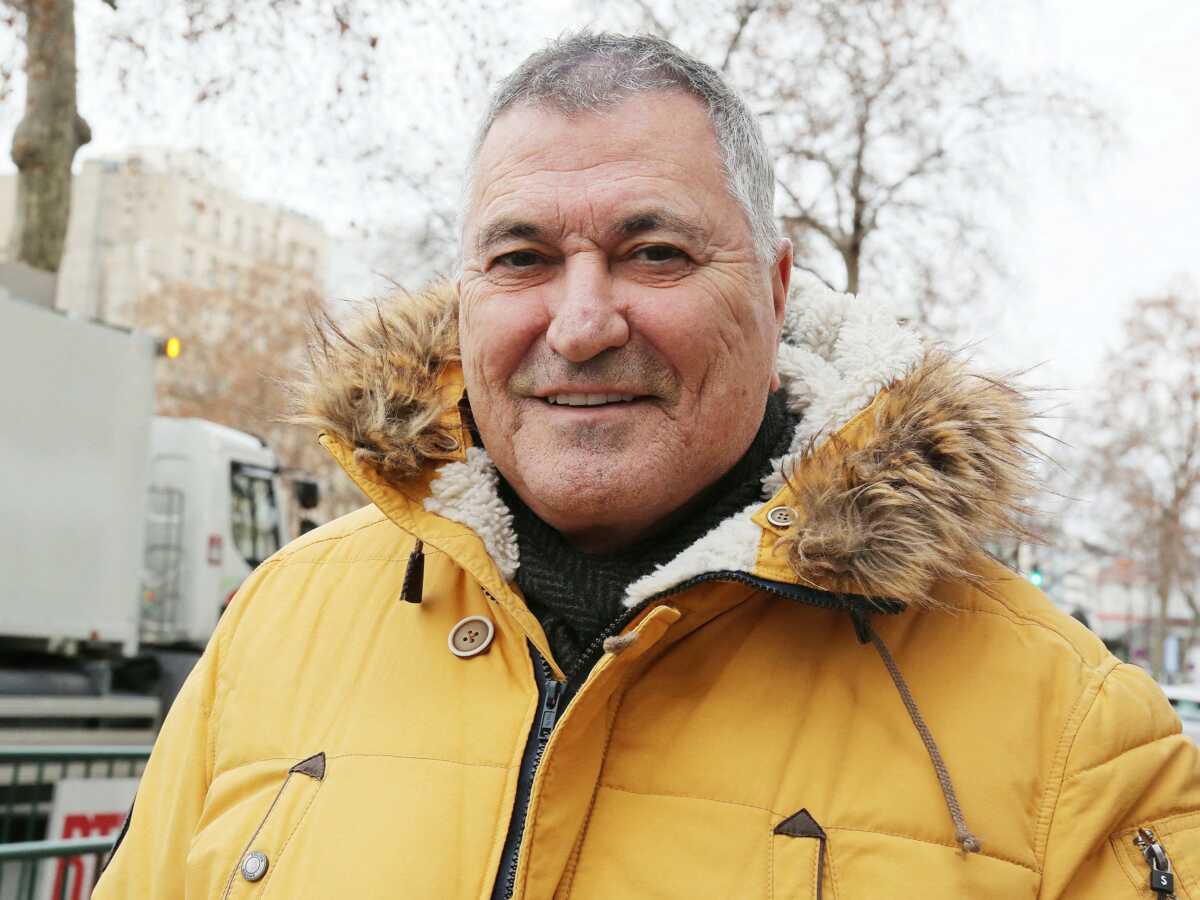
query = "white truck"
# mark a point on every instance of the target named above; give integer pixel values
(123, 534)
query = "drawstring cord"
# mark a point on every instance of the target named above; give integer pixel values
(966, 840)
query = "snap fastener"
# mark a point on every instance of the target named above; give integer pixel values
(782, 516)
(471, 636)
(254, 866)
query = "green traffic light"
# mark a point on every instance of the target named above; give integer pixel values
(1035, 578)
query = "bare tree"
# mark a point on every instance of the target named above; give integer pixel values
(1142, 461)
(362, 111)
(50, 133)
(890, 136)
(52, 130)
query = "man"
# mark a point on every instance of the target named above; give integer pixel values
(648, 602)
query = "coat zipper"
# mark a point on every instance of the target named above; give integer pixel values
(552, 698)
(554, 695)
(1162, 879)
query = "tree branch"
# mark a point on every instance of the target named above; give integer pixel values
(655, 22)
(889, 192)
(745, 11)
(796, 264)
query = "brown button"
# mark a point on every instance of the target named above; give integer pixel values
(471, 636)
(782, 516)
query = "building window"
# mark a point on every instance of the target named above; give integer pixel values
(188, 267)
(237, 232)
(194, 218)
(216, 228)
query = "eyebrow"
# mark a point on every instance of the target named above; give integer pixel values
(659, 220)
(506, 229)
(632, 225)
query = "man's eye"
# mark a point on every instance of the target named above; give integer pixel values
(659, 253)
(519, 259)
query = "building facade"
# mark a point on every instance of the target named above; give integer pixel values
(146, 220)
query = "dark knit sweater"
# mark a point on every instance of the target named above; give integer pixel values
(576, 595)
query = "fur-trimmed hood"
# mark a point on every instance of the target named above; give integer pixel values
(903, 465)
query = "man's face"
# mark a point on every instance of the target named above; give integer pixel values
(618, 333)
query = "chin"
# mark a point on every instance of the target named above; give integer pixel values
(592, 491)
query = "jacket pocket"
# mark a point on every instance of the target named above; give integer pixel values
(264, 850)
(1160, 858)
(799, 860)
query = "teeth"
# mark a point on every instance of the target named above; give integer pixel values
(589, 399)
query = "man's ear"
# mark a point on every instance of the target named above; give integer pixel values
(781, 280)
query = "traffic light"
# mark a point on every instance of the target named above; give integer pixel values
(169, 347)
(1036, 578)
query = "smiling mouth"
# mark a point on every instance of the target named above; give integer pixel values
(589, 399)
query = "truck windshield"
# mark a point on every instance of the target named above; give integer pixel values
(255, 513)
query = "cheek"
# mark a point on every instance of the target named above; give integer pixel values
(496, 332)
(701, 337)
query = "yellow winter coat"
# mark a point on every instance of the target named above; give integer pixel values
(834, 694)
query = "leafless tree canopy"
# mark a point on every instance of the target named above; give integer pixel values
(353, 112)
(892, 140)
(1141, 448)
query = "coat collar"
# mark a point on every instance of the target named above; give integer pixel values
(902, 466)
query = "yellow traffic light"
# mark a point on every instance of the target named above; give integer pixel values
(172, 348)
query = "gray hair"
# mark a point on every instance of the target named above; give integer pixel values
(585, 72)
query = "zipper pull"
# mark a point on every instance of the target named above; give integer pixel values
(1162, 880)
(554, 692)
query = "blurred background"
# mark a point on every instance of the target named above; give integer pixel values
(189, 181)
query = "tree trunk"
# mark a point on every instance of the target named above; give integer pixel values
(47, 138)
(1158, 629)
(853, 259)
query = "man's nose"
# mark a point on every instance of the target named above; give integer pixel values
(584, 318)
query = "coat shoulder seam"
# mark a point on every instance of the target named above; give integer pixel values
(1016, 618)
(289, 554)
(1057, 777)
(1154, 740)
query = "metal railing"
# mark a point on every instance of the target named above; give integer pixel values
(26, 855)
(28, 776)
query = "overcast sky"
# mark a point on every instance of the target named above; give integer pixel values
(1130, 225)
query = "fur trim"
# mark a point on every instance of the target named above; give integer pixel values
(375, 383)
(944, 467)
(838, 352)
(910, 499)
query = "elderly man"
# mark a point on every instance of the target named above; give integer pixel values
(668, 587)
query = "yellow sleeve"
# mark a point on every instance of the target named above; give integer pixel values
(151, 855)
(1127, 768)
